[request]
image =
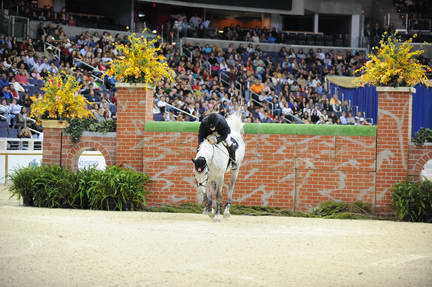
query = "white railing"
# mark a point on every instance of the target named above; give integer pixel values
(20, 144)
(186, 51)
(57, 53)
(237, 85)
(177, 109)
(88, 65)
(56, 50)
(266, 100)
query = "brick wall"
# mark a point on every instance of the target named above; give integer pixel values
(291, 171)
(418, 157)
(134, 109)
(393, 140)
(52, 152)
(105, 143)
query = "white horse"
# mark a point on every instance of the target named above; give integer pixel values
(210, 166)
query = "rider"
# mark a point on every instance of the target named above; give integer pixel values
(216, 123)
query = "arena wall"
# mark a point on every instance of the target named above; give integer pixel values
(289, 170)
(289, 166)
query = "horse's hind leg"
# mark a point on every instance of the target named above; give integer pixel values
(234, 175)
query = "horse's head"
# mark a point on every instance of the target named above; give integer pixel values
(201, 173)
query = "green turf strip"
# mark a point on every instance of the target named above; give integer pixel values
(289, 129)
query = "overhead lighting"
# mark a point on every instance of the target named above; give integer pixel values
(141, 15)
(220, 31)
(173, 43)
(154, 31)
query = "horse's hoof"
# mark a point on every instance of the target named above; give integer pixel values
(212, 213)
(217, 218)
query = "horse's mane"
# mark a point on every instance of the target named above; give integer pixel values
(202, 149)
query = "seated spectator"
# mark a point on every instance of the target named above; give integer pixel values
(6, 93)
(22, 77)
(343, 119)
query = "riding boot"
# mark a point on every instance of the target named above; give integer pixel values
(231, 150)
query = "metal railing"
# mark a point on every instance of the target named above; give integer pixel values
(180, 110)
(94, 69)
(186, 51)
(57, 54)
(266, 47)
(15, 26)
(236, 85)
(56, 50)
(266, 100)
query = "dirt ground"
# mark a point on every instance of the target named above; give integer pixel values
(58, 247)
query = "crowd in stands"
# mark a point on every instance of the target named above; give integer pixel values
(419, 13)
(32, 10)
(24, 68)
(180, 26)
(266, 87)
(283, 87)
(413, 6)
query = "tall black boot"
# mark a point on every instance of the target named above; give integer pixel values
(232, 149)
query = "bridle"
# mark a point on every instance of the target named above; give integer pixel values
(205, 181)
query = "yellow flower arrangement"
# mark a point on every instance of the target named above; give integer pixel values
(140, 62)
(394, 64)
(61, 100)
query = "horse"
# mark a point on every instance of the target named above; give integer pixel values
(210, 165)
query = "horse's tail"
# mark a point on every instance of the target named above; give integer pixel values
(235, 123)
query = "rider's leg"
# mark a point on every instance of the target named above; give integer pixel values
(231, 152)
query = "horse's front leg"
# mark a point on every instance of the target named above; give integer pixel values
(210, 208)
(219, 187)
(234, 175)
(204, 203)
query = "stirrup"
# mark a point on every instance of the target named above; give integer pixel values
(234, 165)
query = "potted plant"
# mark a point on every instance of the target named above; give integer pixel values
(60, 101)
(394, 64)
(139, 62)
(394, 69)
(139, 65)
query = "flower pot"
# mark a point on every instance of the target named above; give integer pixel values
(55, 124)
(396, 89)
(132, 85)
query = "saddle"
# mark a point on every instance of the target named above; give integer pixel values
(231, 150)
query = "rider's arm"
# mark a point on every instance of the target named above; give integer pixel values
(223, 131)
(202, 133)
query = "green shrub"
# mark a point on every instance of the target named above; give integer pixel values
(119, 189)
(422, 136)
(56, 187)
(78, 126)
(412, 201)
(342, 210)
(22, 186)
(85, 179)
(43, 186)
